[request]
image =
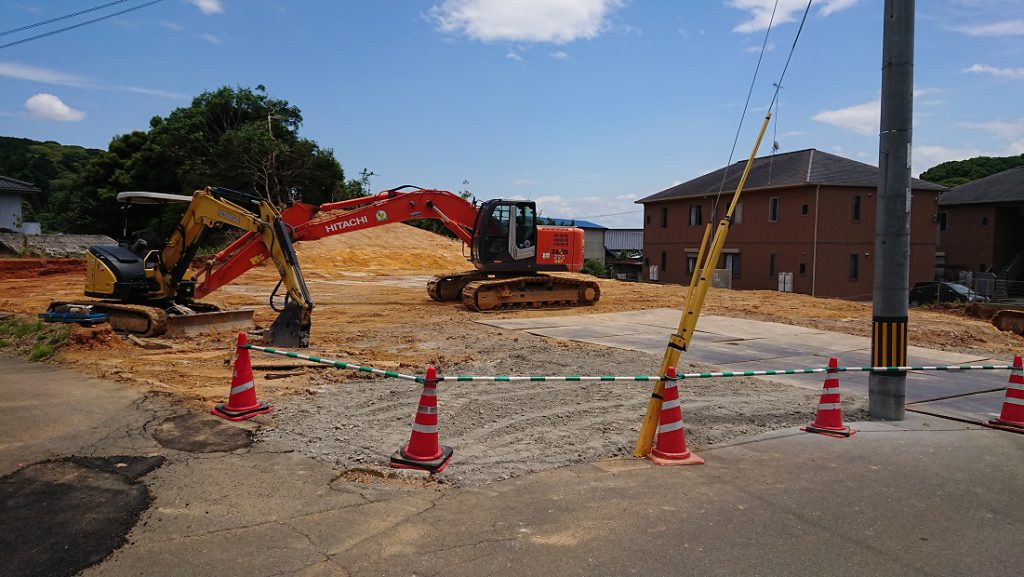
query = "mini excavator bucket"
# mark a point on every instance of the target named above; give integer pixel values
(290, 328)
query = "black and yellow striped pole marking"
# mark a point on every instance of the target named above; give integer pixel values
(889, 341)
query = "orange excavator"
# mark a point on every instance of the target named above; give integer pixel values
(508, 249)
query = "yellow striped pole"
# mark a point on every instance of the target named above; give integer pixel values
(679, 342)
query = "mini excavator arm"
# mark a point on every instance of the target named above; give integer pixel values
(215, 207)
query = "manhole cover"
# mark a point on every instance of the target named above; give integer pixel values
(59, 517)
(201, 433)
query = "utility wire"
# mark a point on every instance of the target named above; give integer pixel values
(792, 49)
(613, 214)
(79, 25)
(743, 115)
(59, 18)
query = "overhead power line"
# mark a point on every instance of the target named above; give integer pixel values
(79, 25)
(64, 17)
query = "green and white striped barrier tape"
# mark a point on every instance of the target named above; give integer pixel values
(706, 375)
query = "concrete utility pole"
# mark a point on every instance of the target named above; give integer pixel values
(887, 391)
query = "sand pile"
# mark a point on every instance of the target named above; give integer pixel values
(387, 249)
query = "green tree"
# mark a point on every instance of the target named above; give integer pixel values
(957, 172)
(231, 137)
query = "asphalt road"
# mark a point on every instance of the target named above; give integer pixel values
(926, 496)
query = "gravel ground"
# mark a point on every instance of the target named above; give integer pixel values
(504, 430)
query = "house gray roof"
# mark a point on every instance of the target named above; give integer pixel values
(569, 222)
(803, 167)
(15, 185)
(617, 239)
(1005, 186)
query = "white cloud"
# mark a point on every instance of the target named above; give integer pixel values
(1005, 28)
(833, 6)
(760, 11)
(755, 49)
(50, 107)
(514, 56)
(620, 210)
(172, 26)
(556, 21)
(860, 118)
(211, 38)
(1014, 73)
(58, 78)
(1007, 130)
(559, 55)
(208, 6)
(43, 75)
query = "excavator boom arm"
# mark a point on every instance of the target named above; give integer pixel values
(395, 205)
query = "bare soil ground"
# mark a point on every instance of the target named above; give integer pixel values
(372, 308)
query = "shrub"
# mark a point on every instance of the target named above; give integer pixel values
(595, 267)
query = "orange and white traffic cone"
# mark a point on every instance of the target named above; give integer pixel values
(670, 445)
(423, 451)
(1011, 418)
(242, 403)
(829, 420)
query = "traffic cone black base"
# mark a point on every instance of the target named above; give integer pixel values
(221, 411)
(400, 460)
(837, 433)
(997, 424)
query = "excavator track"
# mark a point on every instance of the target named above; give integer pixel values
(533, 291)
(154, 321)
(448, 288)
(139, 320)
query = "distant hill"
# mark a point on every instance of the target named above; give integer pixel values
(52, 167)
(957, 172)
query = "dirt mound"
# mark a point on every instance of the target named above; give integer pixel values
(96, 337)
(385, 249)
(12, 268)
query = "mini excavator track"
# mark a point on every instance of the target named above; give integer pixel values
(145, 321)
(532, 291)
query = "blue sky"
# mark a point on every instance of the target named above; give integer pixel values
(581, 105)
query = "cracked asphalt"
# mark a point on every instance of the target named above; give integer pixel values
(921, 497)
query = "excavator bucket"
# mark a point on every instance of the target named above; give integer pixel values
(290, 328)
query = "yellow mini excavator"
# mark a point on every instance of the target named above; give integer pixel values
(147, 287)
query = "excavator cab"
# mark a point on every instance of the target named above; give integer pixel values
(507, 236)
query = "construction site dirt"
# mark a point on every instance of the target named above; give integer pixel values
(369, 288)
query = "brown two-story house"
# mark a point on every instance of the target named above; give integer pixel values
(809, 213)
(980, 226)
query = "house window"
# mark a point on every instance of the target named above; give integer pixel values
(773, 265)
(773, 209)
(803, 268)
(854, 266)
(805, 209)
(691, 264)
(732, 262)
(984, 221)
(696, 214)
(664, 216)
(664, 261)
(737, 215)
(856, 208)
(943, 219)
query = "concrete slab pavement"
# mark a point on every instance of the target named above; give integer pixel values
(731, 344)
